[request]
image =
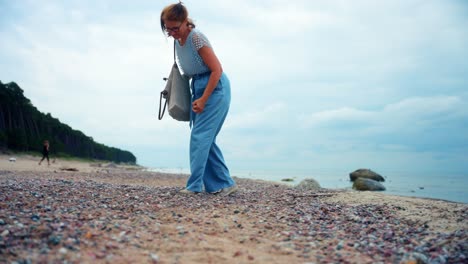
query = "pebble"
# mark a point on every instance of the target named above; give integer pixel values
(154, 258)
(63, 251)
(340, 245)
(35, 218)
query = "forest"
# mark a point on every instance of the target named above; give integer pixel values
(23, 128)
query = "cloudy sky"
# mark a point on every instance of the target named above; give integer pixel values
(326, 85)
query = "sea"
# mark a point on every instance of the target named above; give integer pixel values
(443, 186)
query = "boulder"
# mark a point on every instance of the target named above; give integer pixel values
(366, 173)
(364, 184)
(287, 180)
(308, 184)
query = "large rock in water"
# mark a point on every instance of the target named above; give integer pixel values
(366, 173)
(363, 184)
(308, 184)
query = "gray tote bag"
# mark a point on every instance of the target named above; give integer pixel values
(177, 95)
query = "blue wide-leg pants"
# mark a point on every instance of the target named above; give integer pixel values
(208, 168)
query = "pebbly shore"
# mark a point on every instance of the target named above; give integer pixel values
(140, 217)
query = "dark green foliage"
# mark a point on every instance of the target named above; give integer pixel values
(23, 128)
(3, 139)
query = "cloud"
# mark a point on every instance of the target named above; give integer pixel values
(324, 81)
(89, 73)
(409, 109)
(347, 115)
(419, 123)
(264, 116)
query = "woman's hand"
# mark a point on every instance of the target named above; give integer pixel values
(198, 105)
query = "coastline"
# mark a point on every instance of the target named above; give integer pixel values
(449, 187)
(107, 212)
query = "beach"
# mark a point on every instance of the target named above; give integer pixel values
(83, 212)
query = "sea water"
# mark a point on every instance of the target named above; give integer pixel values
(444, 186)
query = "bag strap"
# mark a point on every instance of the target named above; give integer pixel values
(174, 50)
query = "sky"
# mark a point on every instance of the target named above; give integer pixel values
(317, 86)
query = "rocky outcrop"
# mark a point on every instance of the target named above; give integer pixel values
(366, 173)
(308, 184)
(364, 184)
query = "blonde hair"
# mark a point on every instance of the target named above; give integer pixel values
(175, 12)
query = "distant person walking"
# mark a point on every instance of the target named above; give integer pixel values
(211, 97)
(45, 152)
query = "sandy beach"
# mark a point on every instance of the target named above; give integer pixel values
(91, 212)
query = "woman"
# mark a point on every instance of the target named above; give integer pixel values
(211, 96)
(45, 152)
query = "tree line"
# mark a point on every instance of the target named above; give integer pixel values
(24, 128)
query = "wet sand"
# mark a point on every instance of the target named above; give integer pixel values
(83, 212)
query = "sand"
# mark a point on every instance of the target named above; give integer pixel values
(83, 212)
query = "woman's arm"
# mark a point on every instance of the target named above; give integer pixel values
(210, 59)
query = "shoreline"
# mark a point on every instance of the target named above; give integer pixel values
(89, 166)
(400, 185)
(107, 167)
(294, 183)
(124, 214)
